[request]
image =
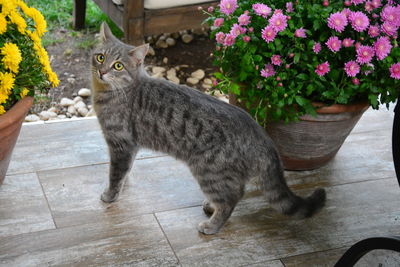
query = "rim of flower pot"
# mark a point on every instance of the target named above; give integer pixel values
(17, 111)
(340, 108)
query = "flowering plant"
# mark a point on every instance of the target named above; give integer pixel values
(289, 54)
(24, 63)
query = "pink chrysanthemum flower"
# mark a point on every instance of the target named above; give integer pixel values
(220, 37)
(395, 71)
(355, 81)
(278, 11)
(237, 30)
(337, 21)
(389, 28)
(347, 42)
(382, 47)
(346, 12)
(229, 40)
(276, 60)
(352, 68)
(391, 14)
(359, 21)
(368, 6)
(322, 69)
(246, 38)
(267, 71)
(300, 33)
(316, 48)
(244, 19)
(261, 10)
(376, 3)
(268, 34)
(373, 31)
(334, 44)
(278, 22)
(357, 2)
(365, 54)
(228, 6)
(289, 7)
(218, 22)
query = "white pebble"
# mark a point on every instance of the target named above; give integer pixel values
(198, 74)
(78, 99)
(158, 70)
(65, 102)
(32, 118)
(84, 92)
(72, 110)
(61, 117)
(46, 115)
(192, 80)
(80, 104)
(54, 109)
(83, 111)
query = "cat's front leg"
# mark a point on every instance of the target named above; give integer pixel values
(121, 162)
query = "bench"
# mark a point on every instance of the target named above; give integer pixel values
(140, 18)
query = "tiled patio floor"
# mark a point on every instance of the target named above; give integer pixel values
(51, 213)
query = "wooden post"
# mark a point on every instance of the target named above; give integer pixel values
(134, 21)
(79, 14)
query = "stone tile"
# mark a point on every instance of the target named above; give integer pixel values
(384, 258)
(362, 157)
(275, 263)
(326, 258)
(155, 184)
(23, 206)
(375, 119)
(135, 241)
(61, 145)
(255, 233)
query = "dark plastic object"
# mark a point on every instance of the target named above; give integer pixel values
(361, 248)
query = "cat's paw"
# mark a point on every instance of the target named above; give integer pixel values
(207, 228)
(108, 196)
(207, 208)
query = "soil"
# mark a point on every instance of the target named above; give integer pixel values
(70, 58)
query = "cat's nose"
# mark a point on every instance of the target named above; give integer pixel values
(101, 73)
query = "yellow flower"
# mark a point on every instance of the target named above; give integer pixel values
(18, 20)
(40, 22)
(3, 24)
(24, 92)
(2, 110)
(6, 82)
(12, 56)
(7, 6)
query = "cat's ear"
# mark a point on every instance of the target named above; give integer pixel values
(138, 54)
(106, 34)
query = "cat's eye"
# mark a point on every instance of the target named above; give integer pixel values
(100, 58)
(118, 66)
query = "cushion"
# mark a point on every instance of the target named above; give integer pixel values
(157, 4)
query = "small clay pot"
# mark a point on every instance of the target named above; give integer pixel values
(10, 126)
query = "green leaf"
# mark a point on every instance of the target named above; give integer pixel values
(296, 58)
(235, 88)
(300, 100)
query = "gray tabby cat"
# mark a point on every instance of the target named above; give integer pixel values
(222, 145)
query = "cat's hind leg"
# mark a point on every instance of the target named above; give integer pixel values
(223, 193)
(121, 162)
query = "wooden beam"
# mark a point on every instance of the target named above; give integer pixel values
(79, 13)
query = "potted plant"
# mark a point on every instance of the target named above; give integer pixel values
(24, 70)
(294, 64)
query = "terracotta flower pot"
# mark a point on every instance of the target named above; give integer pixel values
(313, 141)
(10, 126)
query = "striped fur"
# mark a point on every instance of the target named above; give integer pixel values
(222, 145)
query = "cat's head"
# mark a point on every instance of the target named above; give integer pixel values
(115, 63)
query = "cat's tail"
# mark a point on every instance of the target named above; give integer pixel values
(283, 199)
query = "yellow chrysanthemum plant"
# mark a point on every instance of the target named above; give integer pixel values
(24, 63)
